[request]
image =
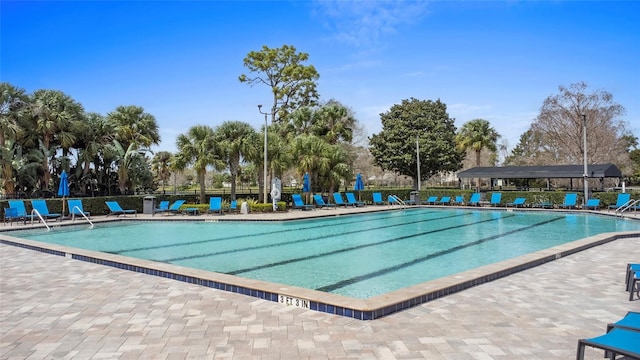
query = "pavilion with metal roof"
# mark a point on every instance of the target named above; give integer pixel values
(596, 171)
(542, 172)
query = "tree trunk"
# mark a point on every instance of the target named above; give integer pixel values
(478, 164)
(201, 180)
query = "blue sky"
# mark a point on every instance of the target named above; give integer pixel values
(180, 61)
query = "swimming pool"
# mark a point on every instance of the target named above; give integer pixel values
(358, 256)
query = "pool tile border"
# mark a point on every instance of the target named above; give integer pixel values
(369, 309)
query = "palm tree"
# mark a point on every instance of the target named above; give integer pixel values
(311, 155)
(161, 166)
(56, 116)
(334, 122)
(126, 159)
(476, 135)
(13, 102)
(92, 137)
(338, 167)
(300, 122)
(134, 126)
(235, 139)
(198, 147)
(134, 132)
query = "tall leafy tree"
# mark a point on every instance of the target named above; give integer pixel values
(528, 151)
(426, 122)
(235, 139)
(292, 83)
(198, 147)
(560, 126)
(13, 104)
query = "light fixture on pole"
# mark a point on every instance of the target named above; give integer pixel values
(586, 170)
(265, 153)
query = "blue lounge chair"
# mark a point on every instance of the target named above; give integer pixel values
(299, 204)
(21, 211)
(632, 281)
(622, 200)
(320, 202)
(162, 207)
(337, 198)
(445, 200)
(175, 207)
(117, 210)
(475, 199)
(593, 204)
(616, 342)
(496, 199)
(76, 209)
(215, 205)
(459, 200)
(11, 215)
(233, 206)
(41, 207)
(543, 205)
(377, 198)
(518, 202)
(570, 201)
(351, 200)
(631, 321)
(431, 200)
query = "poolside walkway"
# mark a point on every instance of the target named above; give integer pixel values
(52, 307)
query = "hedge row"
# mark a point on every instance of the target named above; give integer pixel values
(96, 205)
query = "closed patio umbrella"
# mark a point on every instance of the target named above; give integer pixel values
(306, 186)
(63, 188)
(359, 186)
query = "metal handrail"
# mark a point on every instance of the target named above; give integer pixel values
(34, 211)
(626, 206)
(396, 198)
(73, 215)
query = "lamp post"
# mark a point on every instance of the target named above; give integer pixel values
(265, 153)
(418, 158)
(586, 170)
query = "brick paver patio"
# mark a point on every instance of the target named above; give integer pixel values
(52, 307)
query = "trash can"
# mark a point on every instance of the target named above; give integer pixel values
(148, 204)
(414, 197)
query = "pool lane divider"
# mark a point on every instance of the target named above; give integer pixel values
(358, 247)
(236, 237)
(293, 242)
(381, 272)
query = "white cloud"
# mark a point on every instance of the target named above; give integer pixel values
(466, 109)
(363, 24)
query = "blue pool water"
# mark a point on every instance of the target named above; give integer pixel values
(359, 256)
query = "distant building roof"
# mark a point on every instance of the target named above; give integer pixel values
(541, 172)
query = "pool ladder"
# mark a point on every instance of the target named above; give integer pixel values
(36, 212)
(626, 206)
(398, 200)
(73, 215)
